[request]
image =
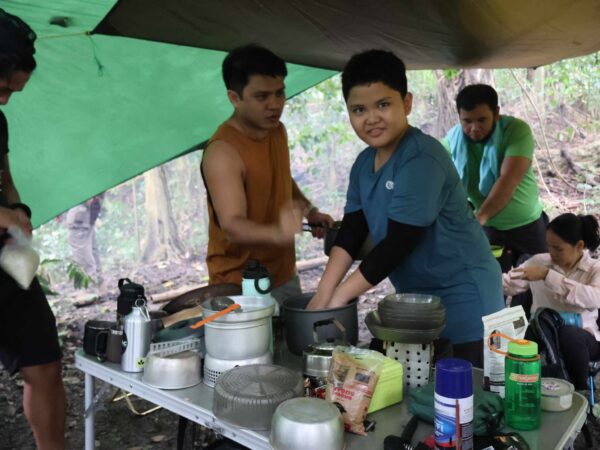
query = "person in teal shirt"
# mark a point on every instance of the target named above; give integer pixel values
(404, 190)
(493, 154)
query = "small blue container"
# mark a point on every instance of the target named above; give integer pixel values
(572, 318)
(453, 420)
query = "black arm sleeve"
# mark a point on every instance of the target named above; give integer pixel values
(400, 241)
(353, 232)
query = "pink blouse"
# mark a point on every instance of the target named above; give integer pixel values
(575, 291)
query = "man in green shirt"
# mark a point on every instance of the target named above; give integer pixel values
(493, 154)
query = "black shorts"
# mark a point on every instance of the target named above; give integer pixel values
(28, 335)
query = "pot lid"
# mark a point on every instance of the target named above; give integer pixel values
(555, 387)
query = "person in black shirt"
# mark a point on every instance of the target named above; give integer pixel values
(28, 337)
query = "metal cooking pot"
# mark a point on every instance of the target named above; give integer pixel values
(331, 234)
(317, 357)
(299, 323)
(241, 334)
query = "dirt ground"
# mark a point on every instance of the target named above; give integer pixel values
(116, 427)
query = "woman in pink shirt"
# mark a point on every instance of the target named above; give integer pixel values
(567, 280)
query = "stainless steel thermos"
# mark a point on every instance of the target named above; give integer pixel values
(137, 333)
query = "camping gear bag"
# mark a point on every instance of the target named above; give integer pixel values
(543, 329)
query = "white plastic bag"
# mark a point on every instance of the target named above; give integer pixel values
(18, 259)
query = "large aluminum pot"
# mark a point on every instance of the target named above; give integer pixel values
(243, 333)
(299, 323)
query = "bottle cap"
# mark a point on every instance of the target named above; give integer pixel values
(453, 378)
(522, 347)
(254, 270)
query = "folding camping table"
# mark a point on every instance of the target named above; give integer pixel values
(558, 430)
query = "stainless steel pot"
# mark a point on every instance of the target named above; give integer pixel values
(317, 357)
(176, 371)
(241, 334)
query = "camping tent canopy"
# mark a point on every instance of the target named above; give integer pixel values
(102, 108)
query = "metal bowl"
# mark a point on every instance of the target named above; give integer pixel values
(176, 371)
(307, 424)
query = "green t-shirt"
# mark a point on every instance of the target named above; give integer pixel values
(525, 206)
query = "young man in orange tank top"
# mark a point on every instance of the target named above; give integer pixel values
(255, 207)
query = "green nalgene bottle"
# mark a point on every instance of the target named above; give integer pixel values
(523, 385)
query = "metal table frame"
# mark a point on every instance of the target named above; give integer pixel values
(558, 430)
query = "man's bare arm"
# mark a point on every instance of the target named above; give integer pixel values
(224, 174)
(512, 172)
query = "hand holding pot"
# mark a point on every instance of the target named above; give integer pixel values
(315, 216)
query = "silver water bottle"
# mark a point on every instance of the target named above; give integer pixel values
(137, 333)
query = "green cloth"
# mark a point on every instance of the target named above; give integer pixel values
(525, 206)
(488, 408)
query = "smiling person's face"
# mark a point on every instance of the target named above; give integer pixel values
(15, 82)
(262, 101)
(379, 114)
(478, 123)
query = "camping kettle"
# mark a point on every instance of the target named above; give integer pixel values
(137, 333)
(256, 280)
(128, 294)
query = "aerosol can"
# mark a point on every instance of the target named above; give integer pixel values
(137, 334)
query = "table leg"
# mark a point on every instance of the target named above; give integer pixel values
(90, 437)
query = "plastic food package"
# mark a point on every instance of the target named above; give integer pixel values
(509, 321)
(351, 382)
(18, 259)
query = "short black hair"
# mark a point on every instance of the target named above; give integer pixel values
(477, 94)
(572, 229)
(243, 62)
(16, 45)
(374, 66)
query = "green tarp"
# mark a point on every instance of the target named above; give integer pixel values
(103, 108)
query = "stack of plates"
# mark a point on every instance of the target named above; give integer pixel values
(407, 318)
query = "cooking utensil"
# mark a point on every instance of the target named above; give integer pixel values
(247, 396)
(198, 296)
(215, 316)
(243, 335)
(299, 322)
(172, 371)
(411, 301)
(317, 357)
(310, 225)
(220, 303)
(307, 424)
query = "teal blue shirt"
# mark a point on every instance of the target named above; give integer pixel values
(419, 186)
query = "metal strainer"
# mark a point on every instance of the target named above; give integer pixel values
(247, 396)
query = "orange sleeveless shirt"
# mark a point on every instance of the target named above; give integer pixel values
(268, 185)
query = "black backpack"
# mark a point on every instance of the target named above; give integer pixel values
(543, 329)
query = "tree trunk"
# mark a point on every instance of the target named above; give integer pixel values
(162, 239)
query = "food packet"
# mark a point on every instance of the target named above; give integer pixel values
(511, 322)
(351, 382)
(18, 259)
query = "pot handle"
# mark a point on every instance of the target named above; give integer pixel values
(331, 320)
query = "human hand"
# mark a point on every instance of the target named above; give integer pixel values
(15, 218)
(319, 301)
(290, 223)
(531, 273)
(317, 217)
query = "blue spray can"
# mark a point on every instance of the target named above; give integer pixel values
(453, 419)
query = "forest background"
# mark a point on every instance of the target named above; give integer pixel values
(154, 227)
